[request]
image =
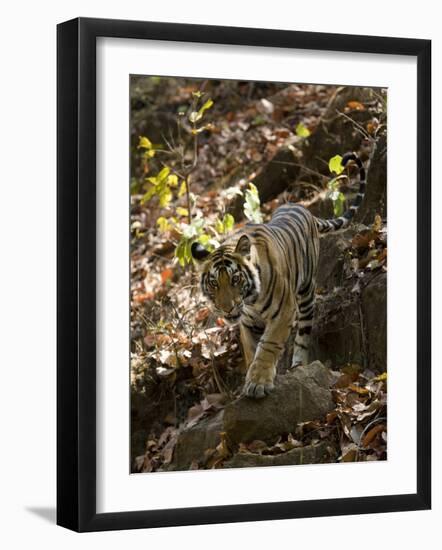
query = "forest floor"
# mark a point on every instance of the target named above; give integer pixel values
(186, 363)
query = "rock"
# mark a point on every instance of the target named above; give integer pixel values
(375, 200)
(333, 248)
(336, 333)
(311, 454)
(299, 396)
(193, 442)
(321, 207)
(374, 309)
(350, 325)
(272, 179)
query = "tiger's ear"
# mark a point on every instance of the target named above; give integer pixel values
(243, 246)
(198, 252)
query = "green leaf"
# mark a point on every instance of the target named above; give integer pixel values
(163, 174)
(180, 252)
(183, 251)
(189, 231)
(208, 242)
(194, 117)
(163, 224)
(252, 204)
(204, 108)
(182, 211)
(302, 131)
(253, 190)
(188, 252)
(172, 180)
(183, 189)
(333, 184)
(149, 194)
(203, 239)
(226, 224)
(335, 165)
(144, 143)
(338, 203)
(219, 226)
(229, 222)
(165, 196)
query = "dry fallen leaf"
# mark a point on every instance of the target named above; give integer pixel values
(371, 434)
(355, 106)
(202, 314)
(166, 275)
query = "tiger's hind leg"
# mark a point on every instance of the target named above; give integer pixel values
(306, 303)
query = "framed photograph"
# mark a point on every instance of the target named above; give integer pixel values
(244, 257)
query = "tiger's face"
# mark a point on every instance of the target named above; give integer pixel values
(228, 279)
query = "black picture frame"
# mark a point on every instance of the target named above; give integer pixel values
(76, 274)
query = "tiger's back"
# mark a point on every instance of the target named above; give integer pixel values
(286, 254)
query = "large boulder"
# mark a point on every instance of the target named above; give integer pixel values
(299, 396)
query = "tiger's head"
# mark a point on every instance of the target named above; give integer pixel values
(229, 278)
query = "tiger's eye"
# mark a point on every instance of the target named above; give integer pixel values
(236, 279)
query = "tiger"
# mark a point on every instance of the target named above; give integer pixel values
(264, 277)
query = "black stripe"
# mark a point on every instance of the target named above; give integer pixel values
(254, 328)
(271, 349)
(326, 225)
(270, 298)
(357, 201)
(347, 158)
(278, 309)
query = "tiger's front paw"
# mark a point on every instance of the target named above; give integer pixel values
(259, 381)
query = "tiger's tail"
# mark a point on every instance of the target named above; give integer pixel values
(333, 224)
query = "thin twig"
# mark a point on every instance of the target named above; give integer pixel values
(222, 387)
(309, 170)
(356, 125)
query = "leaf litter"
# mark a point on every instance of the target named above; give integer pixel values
(185, 361)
